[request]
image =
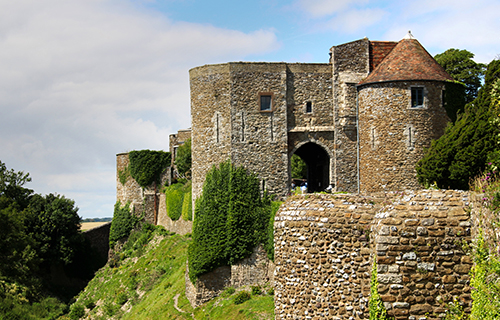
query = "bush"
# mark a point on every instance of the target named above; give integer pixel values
(121, 298)
(242, 297)
(256, 290)
(375, 304)
(174, 200)
(89, 303)
(122, 224)
(77, 311)
(183, 159)
(228, 291)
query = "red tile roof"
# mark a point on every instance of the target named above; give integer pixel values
(378, 51)
(408, 60)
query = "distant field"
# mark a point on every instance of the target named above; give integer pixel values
(90, 225)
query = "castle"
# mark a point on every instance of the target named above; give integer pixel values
(360, 122)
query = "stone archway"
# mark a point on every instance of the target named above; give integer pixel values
(318, 166)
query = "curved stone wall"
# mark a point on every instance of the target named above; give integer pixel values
(393, 135)
(325, 246)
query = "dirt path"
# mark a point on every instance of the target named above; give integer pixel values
(176, 305)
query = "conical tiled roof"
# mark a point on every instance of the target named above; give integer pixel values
(407, 61)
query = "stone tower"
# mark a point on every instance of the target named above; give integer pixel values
(401, 110)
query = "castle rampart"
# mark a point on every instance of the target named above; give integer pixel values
(325, 246)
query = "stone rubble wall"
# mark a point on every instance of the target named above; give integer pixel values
(350, 64)
(142, 201)
(325, 246)
(254, 270)
(418, 242)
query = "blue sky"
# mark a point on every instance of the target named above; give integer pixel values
(83, 80)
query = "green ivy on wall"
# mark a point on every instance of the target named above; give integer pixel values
(124, 175)
(231, 219)
(146, 166)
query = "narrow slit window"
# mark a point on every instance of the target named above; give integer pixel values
(309, 107)
(265, 103)
(417, 97)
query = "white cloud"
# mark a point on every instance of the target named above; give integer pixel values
(84, 80)
(445, 24)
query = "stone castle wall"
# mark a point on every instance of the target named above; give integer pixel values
(254, 270)
(350, 64)
(227, 122)
(210, 115)
(325, 246)
(99, 239)
(141, 200)
(393, 135)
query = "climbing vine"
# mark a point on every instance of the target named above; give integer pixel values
(375, 304)
(146, 166)
(231, 218)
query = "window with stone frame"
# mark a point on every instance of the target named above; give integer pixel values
(417, 97)
(266, 102)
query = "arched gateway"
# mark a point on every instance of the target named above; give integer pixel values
(318, 166)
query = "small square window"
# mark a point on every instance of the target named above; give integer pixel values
(309, 107)
(417, 97)
(266, 102)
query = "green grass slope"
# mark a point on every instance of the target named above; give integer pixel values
(146, 281)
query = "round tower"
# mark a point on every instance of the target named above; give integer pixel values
(400, 111)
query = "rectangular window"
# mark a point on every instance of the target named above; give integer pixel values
(265, 102)
(309, 107)
(417, 97)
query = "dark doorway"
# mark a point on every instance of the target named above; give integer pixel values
(318, 166)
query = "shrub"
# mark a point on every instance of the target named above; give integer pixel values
(462, 152)
(183, 159)
(122, 224)
(174, 200)
(256, 290)
(228, 291)
(269, 240)
(242, 297)
(89, 303)
(77, 311)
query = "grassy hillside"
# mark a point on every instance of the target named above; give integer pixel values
(146, 281)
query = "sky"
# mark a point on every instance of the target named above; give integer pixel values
(83, 80)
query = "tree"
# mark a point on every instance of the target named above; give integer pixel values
(462, 152)
(183, 159)
(299, 167)
(52, 221)
(461, 67)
